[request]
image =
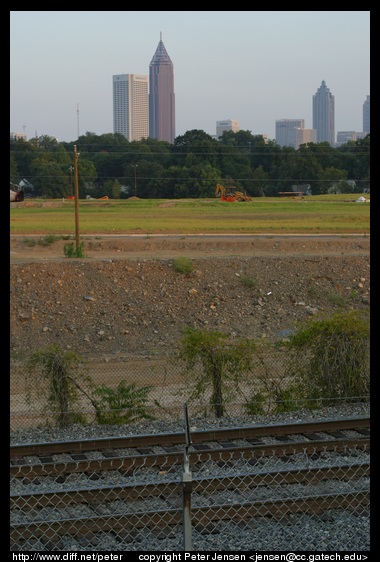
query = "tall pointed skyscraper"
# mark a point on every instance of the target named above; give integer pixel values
(367, 116)
(161, 96)
(324, 114)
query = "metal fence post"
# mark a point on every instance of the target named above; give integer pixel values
(187, 484)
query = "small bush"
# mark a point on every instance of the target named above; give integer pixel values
(248, 282)
(48, 240)
(337, 299)
(71, 252)
(124, 404)
(31, 242)
(331, 357)
(287, 400)
(56, 375)
(255, 406)
(183, 265)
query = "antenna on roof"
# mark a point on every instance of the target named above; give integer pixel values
(160, 35)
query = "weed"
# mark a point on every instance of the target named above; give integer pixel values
(312, 291)
(255, 405)
(248, 282)
(71, 252)
(30, 242)
(48, 240)
(183, 265)
(337, 299)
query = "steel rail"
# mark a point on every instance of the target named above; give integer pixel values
(166, 460)
(197, 437)
(201, 485)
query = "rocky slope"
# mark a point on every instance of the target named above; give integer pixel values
(126, 298)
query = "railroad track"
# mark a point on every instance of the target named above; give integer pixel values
(238, 461)
(141, 443)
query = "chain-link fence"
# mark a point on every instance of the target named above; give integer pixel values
(301, 499)
(235, 501)
(167, 386)
(55, 389)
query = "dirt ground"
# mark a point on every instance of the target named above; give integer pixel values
(125, 297)
(25, 249)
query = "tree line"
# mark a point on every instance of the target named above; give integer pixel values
(110, 165)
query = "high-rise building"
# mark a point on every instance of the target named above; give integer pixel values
(303, 136)
(161, 96)
(284, 129)
(366, 116)
(227, 125)
(131, 106)
(324, 114)
(342, 137)
(292, 132)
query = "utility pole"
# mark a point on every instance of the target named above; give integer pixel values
(71, 179)
(135, 166)
(76, 156)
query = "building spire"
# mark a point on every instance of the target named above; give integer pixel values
(161, 56)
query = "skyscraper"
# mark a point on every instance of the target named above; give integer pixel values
(292, 132)
(131, 106)
(161, 96)
(324, 114)
(366, 116)
(226, 125)
(285, 135)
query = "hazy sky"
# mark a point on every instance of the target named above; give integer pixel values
(253, 67)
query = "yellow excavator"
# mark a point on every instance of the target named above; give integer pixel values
(230, 194)
(240, 196)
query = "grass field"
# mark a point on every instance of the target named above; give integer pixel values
(330, 214)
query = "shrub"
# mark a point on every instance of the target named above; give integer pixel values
(124, 404)
(71, 252)
(255, 406)
(62, 371)
(337, 299)
(330, 357)
(183, 265)
(48, 240)
(248, 282)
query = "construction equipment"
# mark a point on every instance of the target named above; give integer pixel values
(230, 194)
(240, 196)
(223, 193)
(17, 194)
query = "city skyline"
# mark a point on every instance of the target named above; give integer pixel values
(252, 67)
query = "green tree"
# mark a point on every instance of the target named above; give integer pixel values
(48, 178)
(217, 363)
(261, 182)
(112, 189)
(333, 180)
